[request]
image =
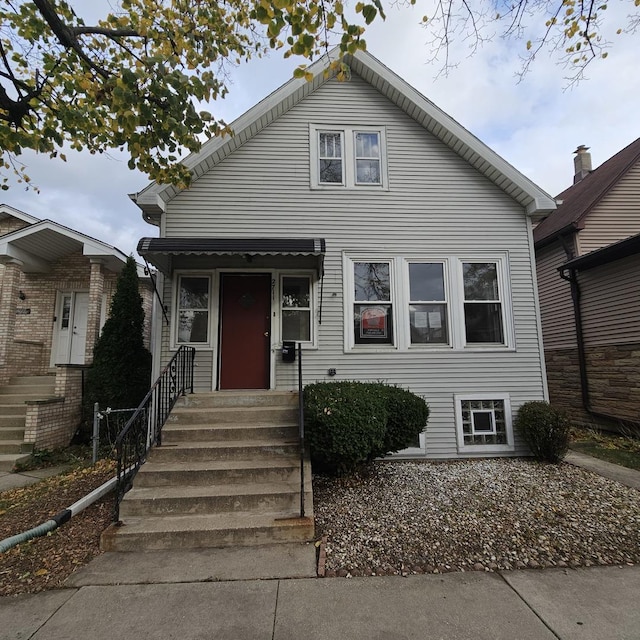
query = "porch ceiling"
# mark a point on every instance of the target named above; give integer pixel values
(39, 245)
(231, 252)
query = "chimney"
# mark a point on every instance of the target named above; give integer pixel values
(581, 163)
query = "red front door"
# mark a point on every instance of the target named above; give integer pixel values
(245, 327)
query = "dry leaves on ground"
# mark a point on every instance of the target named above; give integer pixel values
(47, 561)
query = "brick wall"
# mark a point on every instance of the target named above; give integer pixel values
(51, 423)
(8, 225)
(613, 372)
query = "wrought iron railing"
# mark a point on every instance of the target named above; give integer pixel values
(301, 428)
(144, 429)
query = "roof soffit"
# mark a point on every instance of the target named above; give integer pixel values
(41, 244)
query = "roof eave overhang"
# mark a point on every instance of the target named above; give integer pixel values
(533, 199)
(617, 251)
(27, 253)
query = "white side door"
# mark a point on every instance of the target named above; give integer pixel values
(71, 328)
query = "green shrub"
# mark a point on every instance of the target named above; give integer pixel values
(121, 372)
(545, 429)
(407, 416)
(348, 423)
(344, 423)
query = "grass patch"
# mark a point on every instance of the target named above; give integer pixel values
(618, 449)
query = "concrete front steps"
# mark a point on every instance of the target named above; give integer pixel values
(13, 410)
(227, 474)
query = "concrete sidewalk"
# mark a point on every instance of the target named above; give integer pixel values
(9, 480)
(585, 604)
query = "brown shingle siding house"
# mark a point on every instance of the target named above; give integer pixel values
(588, 268)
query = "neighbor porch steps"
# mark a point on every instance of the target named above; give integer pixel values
(13, 412)
(227, 474)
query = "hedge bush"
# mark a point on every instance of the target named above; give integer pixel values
(344, 423)
(349, 423)
(545, 429)
(407, 415)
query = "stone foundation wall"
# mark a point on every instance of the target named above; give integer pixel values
(51, 423)
(614, 379)
(613, 372)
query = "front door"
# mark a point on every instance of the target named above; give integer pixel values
(71, 328)
(245, 327)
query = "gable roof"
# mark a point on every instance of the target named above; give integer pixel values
(579, 199)
(7, 211)
(45, 241)
(152, 200)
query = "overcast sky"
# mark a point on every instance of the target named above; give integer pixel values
(535, 124)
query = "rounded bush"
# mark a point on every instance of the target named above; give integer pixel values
(545, 429)
(344, 423)
(407, 416)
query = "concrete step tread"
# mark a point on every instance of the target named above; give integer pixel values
(16, 443)
(189, 491)
(209, 522)
(177, 426)
(227, 444)
(274, 462)
(233, 409)
(8, 460)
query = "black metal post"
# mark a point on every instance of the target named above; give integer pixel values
(301, 428)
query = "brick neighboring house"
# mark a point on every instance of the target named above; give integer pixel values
(588, 267)
(56, 286)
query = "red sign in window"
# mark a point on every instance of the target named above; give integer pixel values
(373, 322)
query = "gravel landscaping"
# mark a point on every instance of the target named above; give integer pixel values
(483, 515)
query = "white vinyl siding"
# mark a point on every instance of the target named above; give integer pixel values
(556, 306)
(435, 204)
(610, 303)
(615, 217)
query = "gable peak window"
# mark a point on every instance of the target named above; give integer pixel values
(348, 156)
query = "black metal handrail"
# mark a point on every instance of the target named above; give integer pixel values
(301, 428)
(144, 428)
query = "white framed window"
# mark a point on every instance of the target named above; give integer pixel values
(483, 304)
(348, 156)
(193, 309)
(428, 307)
(296, 308)
(483, 423)
(330, 158)
(436, 303)
(372, 302)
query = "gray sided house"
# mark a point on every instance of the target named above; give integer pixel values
(588, 263)
(357, 218)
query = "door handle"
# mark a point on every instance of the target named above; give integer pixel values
(266, 334)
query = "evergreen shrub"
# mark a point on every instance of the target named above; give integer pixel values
(545, 429)
(349, 423)
(120, 375)
(407, 415)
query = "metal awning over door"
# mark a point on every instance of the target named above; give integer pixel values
(169, 253)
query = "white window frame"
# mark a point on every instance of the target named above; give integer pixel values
(447, 302)
(454, 291)
(350, 302)
(459, 398)
(175, 344)
(504, 291)
(348, 133)
(313, 315)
